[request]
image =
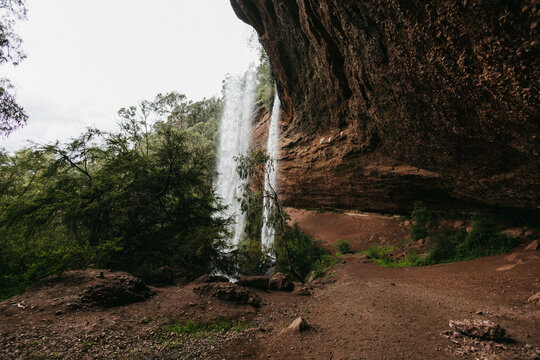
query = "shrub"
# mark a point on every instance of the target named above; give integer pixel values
(380, 254)
(449, 245)
(423, 219)
(251, 259)
(321, 266)
(442, 245)
(482, 241)
(343, 246)
(306, 253)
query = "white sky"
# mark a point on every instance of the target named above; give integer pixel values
(87, 59)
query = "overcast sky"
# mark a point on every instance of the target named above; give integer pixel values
(87, 59)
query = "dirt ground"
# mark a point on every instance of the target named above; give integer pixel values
(361, 230)
(358, 311)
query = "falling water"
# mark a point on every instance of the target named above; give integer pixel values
(268, 231)
(234, 140)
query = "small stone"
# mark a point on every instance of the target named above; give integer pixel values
(535, 299)
(364, 259)
(298, 325)
(59, 312)
(303, 291)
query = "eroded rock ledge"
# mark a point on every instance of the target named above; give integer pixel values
(389, 101)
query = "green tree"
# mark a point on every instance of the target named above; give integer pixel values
(12, 115)
(135, 200)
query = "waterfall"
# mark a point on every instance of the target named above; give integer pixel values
(234, 140)
(268, 232)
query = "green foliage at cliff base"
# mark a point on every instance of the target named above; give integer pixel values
(444, 246)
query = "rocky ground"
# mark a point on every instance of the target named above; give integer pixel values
(359, 310)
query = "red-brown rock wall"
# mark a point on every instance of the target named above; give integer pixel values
(434, 100)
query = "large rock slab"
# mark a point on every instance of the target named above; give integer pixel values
(210, 278)
(229, 292)
(255, 282)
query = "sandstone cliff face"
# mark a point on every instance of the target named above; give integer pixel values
(388, 101)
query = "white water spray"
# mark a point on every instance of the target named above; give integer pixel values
(268, 232)
(234, 141)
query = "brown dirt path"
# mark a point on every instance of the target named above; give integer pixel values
(361, 230)
(372, 312)
(366, 311)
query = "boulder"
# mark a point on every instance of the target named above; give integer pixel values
(77, 289)
(255, 282)
(209, 278)
(281, 282)
(121, 289)
(480, 329)
(533, 246)
(297, 326)
(229, 292)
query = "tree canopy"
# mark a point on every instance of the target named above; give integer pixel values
(12, 115)
(136, 199)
